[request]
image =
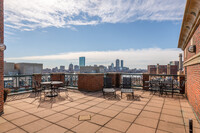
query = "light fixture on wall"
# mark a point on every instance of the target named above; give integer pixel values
(2, 47)
(192, 49)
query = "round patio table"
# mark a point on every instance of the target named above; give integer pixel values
(53, 92)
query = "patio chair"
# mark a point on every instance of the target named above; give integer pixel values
(154, 86)
(64, 88)
(126, 87)
(171, 86)
(37, 88)
(108, 87)
(46, 90)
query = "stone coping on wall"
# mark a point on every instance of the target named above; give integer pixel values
(193, 60)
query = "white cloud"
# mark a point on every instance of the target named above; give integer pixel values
(139, 58)
(32, 14)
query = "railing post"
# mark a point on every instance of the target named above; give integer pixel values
(145, 78)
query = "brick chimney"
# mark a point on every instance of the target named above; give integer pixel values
(2, 48)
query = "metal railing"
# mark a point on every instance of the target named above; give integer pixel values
(163, 77)
(72, 79)
(18, 83)
(136, 78)
(46, 77)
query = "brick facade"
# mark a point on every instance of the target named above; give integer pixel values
(193, 87)
(90, 82)
(1, 83)
(193, 74)
(1, 57)
(162, 69)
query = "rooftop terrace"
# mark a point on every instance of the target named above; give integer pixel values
(146, 113)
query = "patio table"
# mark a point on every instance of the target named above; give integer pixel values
(53, 92)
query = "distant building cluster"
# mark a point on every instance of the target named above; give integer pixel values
(83, 68)
(119, 67)
(172, 68)
(11, 68)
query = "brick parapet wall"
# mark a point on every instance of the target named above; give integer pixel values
(145, 77)
(58, 77)
(36, 77)
(90, 82)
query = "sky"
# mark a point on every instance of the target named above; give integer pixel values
(58, 32)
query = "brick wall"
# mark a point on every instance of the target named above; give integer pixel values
(90, 82)
(36, 77)
(1, 56)
(173, 69)
(144, 79)
(196, 41)
(58, 77)
(192, 86)
(1, 82)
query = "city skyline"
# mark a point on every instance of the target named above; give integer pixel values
(132, 30)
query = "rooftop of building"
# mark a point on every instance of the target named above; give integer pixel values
(146, 113)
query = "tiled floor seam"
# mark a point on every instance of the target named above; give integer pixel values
(183, 117)
(112, 118)
(15, 127)
(94, 113)
(36, 120)
(139, 113)
(160, 115)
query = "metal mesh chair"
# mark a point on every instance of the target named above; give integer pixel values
(126, 87)
(154, 86)
(108, 87)
(37, 88)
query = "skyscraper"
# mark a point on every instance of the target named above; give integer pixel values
(117, 63)
(112, 65)
(71, 67)
(81, 61)
(122, 64)
(62, 68)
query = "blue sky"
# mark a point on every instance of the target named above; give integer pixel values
(57, 32)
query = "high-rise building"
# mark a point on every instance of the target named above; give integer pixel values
(71, 67)
(62, 68)
(122, 64)
(76, 68)
(112, 66)
(81, 61)
(117, 63)
(174, 63)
